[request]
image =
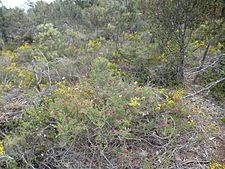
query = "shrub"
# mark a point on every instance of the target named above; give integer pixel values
(99, 114)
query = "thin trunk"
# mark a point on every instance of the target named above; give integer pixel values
(180, 60)
(180, 68)
(202, 63)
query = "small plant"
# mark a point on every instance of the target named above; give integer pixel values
(223, 120)
(215, 165)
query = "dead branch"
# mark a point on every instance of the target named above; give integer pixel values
(205, 88)
(202, 68)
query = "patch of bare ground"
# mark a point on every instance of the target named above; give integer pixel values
(209, 129)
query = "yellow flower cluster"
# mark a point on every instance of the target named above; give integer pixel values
(39, 58)
(116, 54)
(160, 90)
(213, 49)
(9, 55)
(112, 68)
(220, 45)
(6, 86)
(214, 165)
(13, 68)
(26, 78)
(199, 43)
(177, 95)
(131, 36)
(158, 108)
(94, 44)
(191, 122)
(213, 127)
(134, 102)
(170, 103)
(25, 46)
(1, 148)
(62, 88)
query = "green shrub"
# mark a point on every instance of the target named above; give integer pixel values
(101, 114)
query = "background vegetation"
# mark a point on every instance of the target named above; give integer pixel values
(112, 84)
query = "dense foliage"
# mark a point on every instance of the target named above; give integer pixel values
(102, 83)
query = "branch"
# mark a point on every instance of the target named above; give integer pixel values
(201, 68)
(198, 48)
(205, 88)
(50, 81)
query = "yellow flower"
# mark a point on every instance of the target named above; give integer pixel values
(170, 103)
(220, 45)
(1, 148)
(10, 55)
(158, 108)
(214, 165)
(134, 102)
(94, 43)
(191, 122)
(143, 98)
(213, 126)
(161, 90)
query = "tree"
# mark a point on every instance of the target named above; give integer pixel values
(14, 23)
(174, 22)
(2, 22)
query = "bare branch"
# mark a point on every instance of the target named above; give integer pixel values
(205, 88)
(200, 68)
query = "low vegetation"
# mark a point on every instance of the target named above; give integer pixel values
(112, 84)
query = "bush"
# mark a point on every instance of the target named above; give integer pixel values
(101, 114)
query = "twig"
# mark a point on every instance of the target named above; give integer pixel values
(191, 161)
(107, 159)
(199, 69)
(208, 66)
(27, 162)
(1, 132)
(50, 81)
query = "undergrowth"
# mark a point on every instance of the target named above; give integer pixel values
(101, 117)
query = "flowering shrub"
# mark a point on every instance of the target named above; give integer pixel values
(100, 113)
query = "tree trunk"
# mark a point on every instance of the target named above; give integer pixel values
(180, 60)
(180, 68)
